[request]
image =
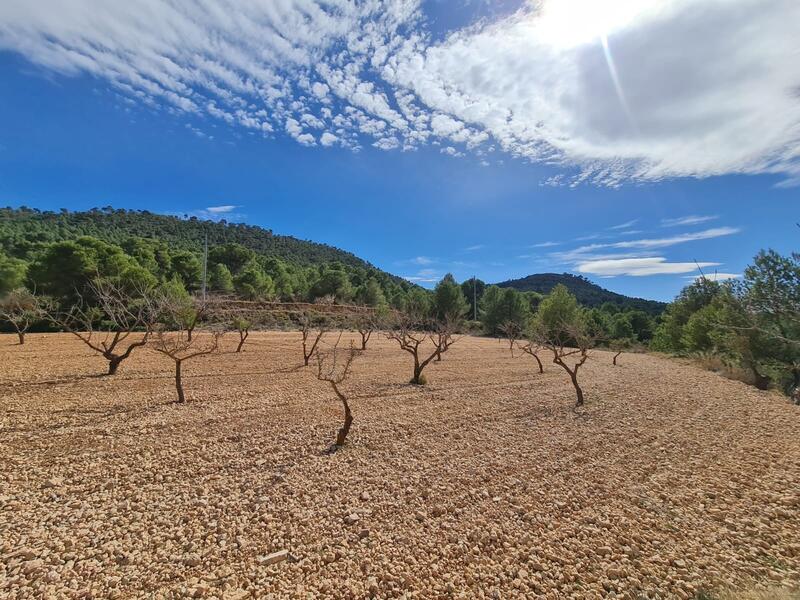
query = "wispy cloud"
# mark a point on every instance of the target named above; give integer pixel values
(424, 276)
(545, 245)
(591, 251)
(421, 260)
(639, 267)
(217, 210)
(356, 74)
(474, 248)
(626, 225)
(688, 220)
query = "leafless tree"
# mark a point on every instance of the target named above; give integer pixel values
(533, 350)
(618, 347)
(366, 325)
(570, 345)
(22, 309)
(333, 366)
(444, 338)
(126, 316)
(512, 332)
(187, 313)
(177, 346)
(307, 325)
(242, 321)
(412, 341)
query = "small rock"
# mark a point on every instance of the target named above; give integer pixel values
(352, 518)
(53, 482)
(363, 533)
(365, 496)
(191, 560)
(275, 557)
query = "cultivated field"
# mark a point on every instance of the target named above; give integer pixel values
(483, 484)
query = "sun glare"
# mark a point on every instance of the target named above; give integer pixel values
(568, 23)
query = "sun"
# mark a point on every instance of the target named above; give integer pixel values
(569, 23)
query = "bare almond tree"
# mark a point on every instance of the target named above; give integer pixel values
(512, 332)
(413, 342)
(366, 325)
(179, 347)
(618, 346)
(443, 337)
(533, 350)
(22, 309)
(334, 366)
(311, 339)
(120, 322)
(570, 345)
(242, 321)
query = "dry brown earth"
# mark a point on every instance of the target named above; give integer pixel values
(484, 484)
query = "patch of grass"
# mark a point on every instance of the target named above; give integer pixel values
(772, 593)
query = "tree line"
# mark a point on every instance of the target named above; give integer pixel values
(751, 324)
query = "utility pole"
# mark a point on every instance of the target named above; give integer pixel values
(205, 266)
(474, 298)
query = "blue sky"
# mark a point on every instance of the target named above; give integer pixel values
(494, 138)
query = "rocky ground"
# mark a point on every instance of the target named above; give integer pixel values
(483, 484)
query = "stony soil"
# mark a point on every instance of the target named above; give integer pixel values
(483, 484)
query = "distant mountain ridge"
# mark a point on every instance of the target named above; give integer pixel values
(588, 293)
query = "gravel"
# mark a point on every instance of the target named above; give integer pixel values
(483, 484)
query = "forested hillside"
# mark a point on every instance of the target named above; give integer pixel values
(587, 293)
(25, 231)
(57, 253)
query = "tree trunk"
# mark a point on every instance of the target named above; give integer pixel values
(113, 364)
(578, 391)
(615, 357)
(438, 356)
(573, 375)
(178, 382)
(417, 373)
(539, 362)
(348, 421)
(242, 339)
(21, 336)
(364, 340)
(305, 358)
(189, 332)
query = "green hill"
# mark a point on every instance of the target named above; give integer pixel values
(25, 231)
(58, 252)
(587, 293)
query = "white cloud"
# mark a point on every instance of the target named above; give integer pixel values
(328, 139)
(222, 209)
(639, 267)
(688, 220)
(626, 225)
(715, 276)
(590, 251)
(474, 248)
(424, 276)
(421, 260)
(544, 245)
(681, 88)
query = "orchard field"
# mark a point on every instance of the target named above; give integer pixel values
(671, 482)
